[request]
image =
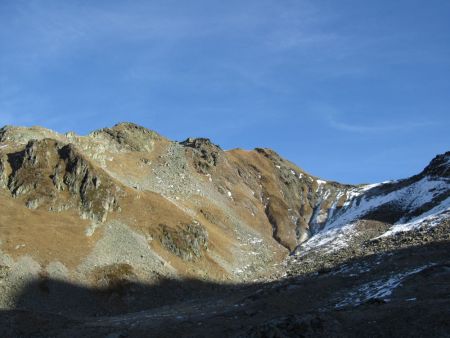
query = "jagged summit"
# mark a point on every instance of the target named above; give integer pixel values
(439, 166)
(128, 128)
(128, 136)
(24, 134)
(121, 132)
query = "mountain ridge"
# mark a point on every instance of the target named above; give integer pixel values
(125, 206)
(131, 138)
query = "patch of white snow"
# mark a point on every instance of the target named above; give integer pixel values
(411, 196)
(379, 289)
(328, 240)
(430, 219)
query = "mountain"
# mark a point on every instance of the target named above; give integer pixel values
(125, 220)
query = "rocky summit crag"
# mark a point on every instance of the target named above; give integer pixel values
(123, 232)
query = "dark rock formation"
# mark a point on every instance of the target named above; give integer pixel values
(56, 175)
(205, 155)
(187, 241)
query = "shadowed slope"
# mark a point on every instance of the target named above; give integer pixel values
(306, 305)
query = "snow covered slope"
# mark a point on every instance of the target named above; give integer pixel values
(419, 201)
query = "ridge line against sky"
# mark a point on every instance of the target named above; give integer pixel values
(350, 91)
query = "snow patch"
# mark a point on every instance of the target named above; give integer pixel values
(430, 219)
(410, 197)
(329, 240)
(320, 183)
(371, 186)
(379, 289)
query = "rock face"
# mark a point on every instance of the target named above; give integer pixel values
(439, 166)
(204, 155)
(55, 175)
(128, 137)
(189, 241)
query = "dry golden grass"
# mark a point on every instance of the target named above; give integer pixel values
(45, 236)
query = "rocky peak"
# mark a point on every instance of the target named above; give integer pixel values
(269, 153)
(24, 134)
(439, 166)
(129, 136)
(205, 154)
(199, 143)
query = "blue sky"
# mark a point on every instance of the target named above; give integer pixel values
(355, 91)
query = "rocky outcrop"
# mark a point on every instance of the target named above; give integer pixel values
(55, 175)
(439, 166)
(187, 241)
(4, 166)
(22, 135)
(204, 154)
(128, 136)
(97, 193)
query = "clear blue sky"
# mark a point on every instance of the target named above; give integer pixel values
(355, 91)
